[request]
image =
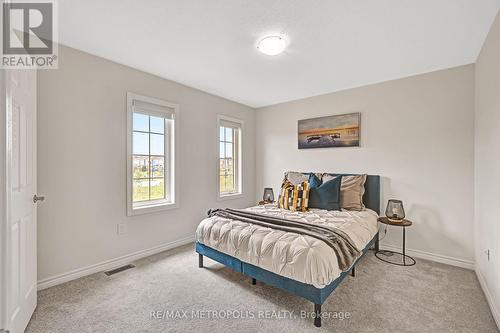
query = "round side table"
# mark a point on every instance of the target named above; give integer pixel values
(407, 260)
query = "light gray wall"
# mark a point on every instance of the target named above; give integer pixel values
(487, 166)
(3, 202)
(82, 162)
(417, 133)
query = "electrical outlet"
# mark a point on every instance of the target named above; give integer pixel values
(487, 252)
(122, 228)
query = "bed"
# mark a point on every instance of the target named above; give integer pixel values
(296, 263)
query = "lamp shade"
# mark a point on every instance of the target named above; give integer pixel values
(268, 195)
(395, 210)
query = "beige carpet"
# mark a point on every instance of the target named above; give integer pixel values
(428, 297)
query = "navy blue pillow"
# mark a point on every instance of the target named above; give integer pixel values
(314, 181)
(327, 195)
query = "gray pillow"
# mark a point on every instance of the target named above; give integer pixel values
(296, 178)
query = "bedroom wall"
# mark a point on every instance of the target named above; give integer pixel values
(82, 163)
(487, 167)
(417, 133)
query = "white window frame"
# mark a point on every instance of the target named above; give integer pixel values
(172, 159)
(238, 161)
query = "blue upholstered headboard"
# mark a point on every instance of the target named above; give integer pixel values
(371, 198)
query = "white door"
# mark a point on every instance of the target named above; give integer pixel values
(21, 259)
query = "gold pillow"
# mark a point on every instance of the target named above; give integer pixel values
(352, 190)
(294, 197)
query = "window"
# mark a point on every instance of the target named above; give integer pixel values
(151, 154)
(229, 157)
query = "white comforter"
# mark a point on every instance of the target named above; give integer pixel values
(299, 257)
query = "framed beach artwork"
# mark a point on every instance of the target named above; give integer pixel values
(341, 130)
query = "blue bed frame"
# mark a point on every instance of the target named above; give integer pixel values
(371, 199)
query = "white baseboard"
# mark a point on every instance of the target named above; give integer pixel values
(432, 256)
(489, 297)
(110, 264)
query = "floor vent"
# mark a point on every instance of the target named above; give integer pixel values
(119, 269)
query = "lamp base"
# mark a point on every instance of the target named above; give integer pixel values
(395, 220)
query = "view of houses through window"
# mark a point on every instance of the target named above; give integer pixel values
(148, 158)
(227, 184)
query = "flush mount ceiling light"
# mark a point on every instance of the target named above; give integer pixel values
(272, 45)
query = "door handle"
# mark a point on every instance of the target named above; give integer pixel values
(38, 198)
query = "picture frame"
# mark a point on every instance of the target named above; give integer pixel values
(342, 130)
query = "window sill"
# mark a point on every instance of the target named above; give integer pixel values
(225, 197)
(146, 209)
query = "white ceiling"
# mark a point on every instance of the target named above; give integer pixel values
(333, 44)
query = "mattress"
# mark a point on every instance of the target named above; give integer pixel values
(295, 256)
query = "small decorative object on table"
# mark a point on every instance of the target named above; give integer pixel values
(267, 197)
(395, 215)
(395, 210)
